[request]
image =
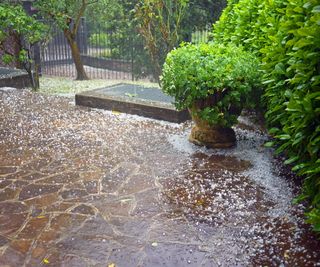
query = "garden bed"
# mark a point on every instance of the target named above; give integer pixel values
(133, 99)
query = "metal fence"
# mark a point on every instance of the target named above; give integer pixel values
(105, 54)
(101, 55)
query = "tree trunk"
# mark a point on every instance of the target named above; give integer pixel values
(81, 73)
(34, 80)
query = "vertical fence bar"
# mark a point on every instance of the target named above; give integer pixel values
(71, 67)
(97, 47)
(65, 55)
(45, 56)
(109, 57)
(89, 50)
(111, 61)
(85, 36)
(55, 54)
(82, 42)
(118, 76)
(101, 47)
(61, 59)
(132, 58)
(49, 56)
(43, 60)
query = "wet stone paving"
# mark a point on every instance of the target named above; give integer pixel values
(84, 187)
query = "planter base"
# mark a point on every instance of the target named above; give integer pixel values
(213, 137)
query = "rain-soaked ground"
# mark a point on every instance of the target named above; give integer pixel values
(83, 187)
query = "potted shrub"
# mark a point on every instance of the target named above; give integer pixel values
(214, 82)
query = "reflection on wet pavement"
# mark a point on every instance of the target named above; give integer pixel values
(81, 187)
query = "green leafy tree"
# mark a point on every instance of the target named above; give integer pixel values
(105, 14)
(159, 22)
(67, 14)
(26, 31)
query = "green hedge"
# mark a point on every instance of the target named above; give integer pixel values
(286, 37)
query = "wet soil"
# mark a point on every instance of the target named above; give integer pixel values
(83, 187)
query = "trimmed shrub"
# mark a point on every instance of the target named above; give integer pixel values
(225, 74)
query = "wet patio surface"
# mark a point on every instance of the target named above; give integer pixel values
(81, 187)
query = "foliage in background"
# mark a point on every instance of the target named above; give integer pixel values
(26, 31)
(225, 74)
(159, 22)
(200, 16)
(116, 19)
(286, 37)
(100, 40)
(104, 13)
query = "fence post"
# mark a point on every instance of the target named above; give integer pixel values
(132, 57)
(82, 37)
(85, 36)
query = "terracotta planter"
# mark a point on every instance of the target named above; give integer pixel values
(212, 136)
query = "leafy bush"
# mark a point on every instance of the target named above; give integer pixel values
(226, 73)
(293, 77)
(15, 23)
(286, 37)
(247, 23)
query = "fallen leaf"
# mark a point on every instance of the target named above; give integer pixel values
(154, 244)
(286, 254)
(199, 202)
(46, 261)
(130, 95)
(111, 265)
(123, 201)
(115, 112)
